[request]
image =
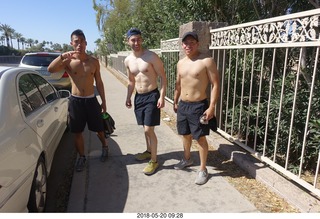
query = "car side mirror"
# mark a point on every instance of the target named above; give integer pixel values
(64, 93)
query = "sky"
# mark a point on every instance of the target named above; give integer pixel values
(51, 20)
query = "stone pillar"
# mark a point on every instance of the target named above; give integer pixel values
(203, 31)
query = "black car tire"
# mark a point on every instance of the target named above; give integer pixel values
(38, 193)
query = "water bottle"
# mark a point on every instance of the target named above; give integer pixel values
(105, 116)
(203, 120)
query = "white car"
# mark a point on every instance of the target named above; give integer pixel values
(39, 61)
(33, 119)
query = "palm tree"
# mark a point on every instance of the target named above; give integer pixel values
(29, 41)
(23, 41)
(2, 39)
(7, 30)
(12, 36)
(18, 37)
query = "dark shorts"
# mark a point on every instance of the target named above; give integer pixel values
(84, 111)
(145, 108)
(188, 119)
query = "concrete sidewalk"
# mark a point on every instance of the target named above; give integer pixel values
(118, 185)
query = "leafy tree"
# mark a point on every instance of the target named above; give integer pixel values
(160, 20)
(56, 47)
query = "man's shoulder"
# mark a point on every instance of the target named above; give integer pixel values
(149, 52)
(183, 59)
(93, 58)
(128, 58)
(151, 56)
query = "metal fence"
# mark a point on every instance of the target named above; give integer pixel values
(10, 59)
(270, 97)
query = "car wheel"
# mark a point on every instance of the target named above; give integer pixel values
(38, 193)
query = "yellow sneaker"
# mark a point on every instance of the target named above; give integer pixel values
(151, 167)
(143, 156)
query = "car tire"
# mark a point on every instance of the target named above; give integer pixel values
(38, 193)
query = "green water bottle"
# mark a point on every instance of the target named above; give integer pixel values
(105, 115)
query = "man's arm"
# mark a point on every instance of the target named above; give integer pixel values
(100, 86)
(177, 90)
(131, 85)
(60, 62)
(214, 78)
(159, 69)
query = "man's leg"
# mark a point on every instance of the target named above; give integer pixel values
(79, 143)
(153, 142)
(105, 149)
(186, 141)
(202, 176)
(102, 139)
(147, 141)
(146, 154)
(186, 159)
(203, 152)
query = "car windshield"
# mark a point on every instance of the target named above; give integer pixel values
(38, 60)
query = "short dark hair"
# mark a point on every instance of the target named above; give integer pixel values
(78, 32)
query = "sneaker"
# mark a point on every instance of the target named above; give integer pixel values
(202, 177)
(81, 163)
(151, 167)
(143, 156)
(104, 154)
(183, 163)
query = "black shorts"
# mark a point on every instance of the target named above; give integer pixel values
(188, 119)
(84, 111)
(145, 108)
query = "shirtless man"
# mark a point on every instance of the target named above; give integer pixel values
(84, 107)
(143, 69)
(194, 73)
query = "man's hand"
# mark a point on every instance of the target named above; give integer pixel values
(160, 103)
(128, 103)
(68, 55)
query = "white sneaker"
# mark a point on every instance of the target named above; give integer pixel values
(202, 177)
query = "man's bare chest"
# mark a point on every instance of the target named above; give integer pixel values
(81, 68)
(139, 66)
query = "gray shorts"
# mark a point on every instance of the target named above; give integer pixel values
(188, 119)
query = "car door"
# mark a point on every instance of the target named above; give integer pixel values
(42, 116)
(58, 113)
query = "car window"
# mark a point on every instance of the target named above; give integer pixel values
(47, 91)
(29, 91)
(38, 60)
(26, 105)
